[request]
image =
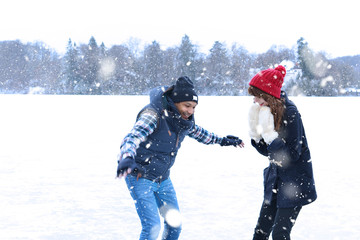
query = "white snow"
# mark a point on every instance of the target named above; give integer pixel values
(58, 165)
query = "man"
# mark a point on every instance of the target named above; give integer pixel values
(148, 152)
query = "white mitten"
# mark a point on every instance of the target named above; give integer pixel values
(266, 123)
(254, 122)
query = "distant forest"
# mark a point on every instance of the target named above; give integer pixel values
(92, 69)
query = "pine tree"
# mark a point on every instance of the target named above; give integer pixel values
(186, 59)
(305, 59)
(218, 69)
(123, 79)
(315, 71)
(153, 63)
(306, 81)
(89, 68)
(71, 72)
(240, 69)
(170, 71)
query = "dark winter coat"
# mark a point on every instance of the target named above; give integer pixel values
(290, 173)
(158, 152)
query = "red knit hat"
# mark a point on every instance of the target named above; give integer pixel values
(270, 80)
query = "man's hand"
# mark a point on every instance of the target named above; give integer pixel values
(232, 141)
(125, 167)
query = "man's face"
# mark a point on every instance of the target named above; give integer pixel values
(186, 109)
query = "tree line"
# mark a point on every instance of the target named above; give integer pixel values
(93, 69)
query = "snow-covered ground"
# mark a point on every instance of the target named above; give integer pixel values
(58, 164)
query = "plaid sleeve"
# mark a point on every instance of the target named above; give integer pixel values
(144, 126)
(204, 136)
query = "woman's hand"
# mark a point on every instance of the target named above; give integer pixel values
(254, 122)
(266, 124)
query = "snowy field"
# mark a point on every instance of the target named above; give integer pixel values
(58, 164)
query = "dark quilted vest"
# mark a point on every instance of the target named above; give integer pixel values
(158, 152)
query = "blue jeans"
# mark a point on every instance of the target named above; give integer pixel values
(152, 198)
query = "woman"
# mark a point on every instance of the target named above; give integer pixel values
(277, 132)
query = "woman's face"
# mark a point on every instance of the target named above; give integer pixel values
(186, 109)
(260, 101)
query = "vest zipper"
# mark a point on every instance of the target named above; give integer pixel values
(177, 140)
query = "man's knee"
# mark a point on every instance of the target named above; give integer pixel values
(171, 233)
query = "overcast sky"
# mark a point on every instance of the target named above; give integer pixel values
(330, 26)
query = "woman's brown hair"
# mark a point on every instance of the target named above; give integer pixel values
(276, 105)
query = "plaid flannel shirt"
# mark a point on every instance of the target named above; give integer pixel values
(146, 125)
